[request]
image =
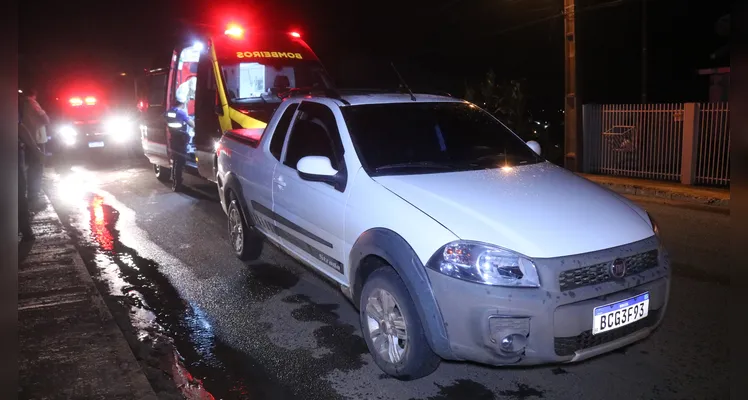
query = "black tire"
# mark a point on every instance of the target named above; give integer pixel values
(176, 186)
(418, 360)
(249, 245)
(162, 174)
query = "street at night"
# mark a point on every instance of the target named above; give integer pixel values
(420, 200)
(272, 328)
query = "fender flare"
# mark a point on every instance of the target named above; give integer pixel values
(392, 248)
(232, 183)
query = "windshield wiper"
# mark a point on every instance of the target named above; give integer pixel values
(415, 164)
(490, 157)
(505, 158)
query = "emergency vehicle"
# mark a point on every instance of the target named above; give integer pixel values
(93, 117)
(233, 83)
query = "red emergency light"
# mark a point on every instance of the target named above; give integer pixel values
(77, 101)
(234, 30)
(295, 34)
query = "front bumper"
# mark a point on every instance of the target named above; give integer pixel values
(95, 132)
(556, 322)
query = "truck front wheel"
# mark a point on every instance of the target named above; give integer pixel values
(392, 328)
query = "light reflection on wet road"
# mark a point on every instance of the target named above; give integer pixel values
(273, 329)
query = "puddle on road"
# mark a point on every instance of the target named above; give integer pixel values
(156, 308)
(463, 389)
(266, 280)
(345, 346)
(202, 365)
(523, 392)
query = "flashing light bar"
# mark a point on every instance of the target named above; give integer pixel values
(90, 100)
(295, 34)
(76, 101)
(234, 30)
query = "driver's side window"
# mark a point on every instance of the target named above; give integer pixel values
(314, 133)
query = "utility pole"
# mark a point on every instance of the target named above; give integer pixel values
(644, 51)
(572, 114)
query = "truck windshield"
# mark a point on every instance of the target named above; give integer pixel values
(414, 138)
(267, 80)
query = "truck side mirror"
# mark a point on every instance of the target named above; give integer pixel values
(319, 169)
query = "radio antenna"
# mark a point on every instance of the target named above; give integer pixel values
(402, 82)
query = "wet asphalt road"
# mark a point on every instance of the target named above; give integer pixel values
(273, 329)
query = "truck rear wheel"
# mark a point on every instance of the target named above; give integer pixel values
(245, 241)
(162, 174)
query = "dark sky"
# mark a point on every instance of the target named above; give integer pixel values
(436, 44)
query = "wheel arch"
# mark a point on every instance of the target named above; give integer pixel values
(232, 184)
(378, 246)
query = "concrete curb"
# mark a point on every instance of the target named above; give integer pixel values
(62, 313)
(702, 196)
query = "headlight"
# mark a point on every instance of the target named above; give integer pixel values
(68, 134)
(486, 264)
(67, 131)
(655, 227)
(120, 126)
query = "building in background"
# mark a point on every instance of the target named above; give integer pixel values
(719, 74)
(719, 83)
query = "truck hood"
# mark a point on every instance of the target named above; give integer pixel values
(538, 210)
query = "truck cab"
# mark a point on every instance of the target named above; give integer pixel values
(232, 83)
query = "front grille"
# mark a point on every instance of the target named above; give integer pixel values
(599, 273)
(566, 346)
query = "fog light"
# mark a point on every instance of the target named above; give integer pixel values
(508, 334)
(513, 343)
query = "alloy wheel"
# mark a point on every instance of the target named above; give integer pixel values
(386, 326)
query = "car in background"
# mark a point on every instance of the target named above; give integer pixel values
(86, 123)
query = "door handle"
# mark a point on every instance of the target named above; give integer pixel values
(280, 182)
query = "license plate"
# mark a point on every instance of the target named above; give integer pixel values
(96, 144)
(615, 315)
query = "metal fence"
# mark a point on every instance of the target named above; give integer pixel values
(647, 141)
(713, 149)
(634, 140)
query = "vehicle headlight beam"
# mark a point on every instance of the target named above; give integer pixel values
(68, 134)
